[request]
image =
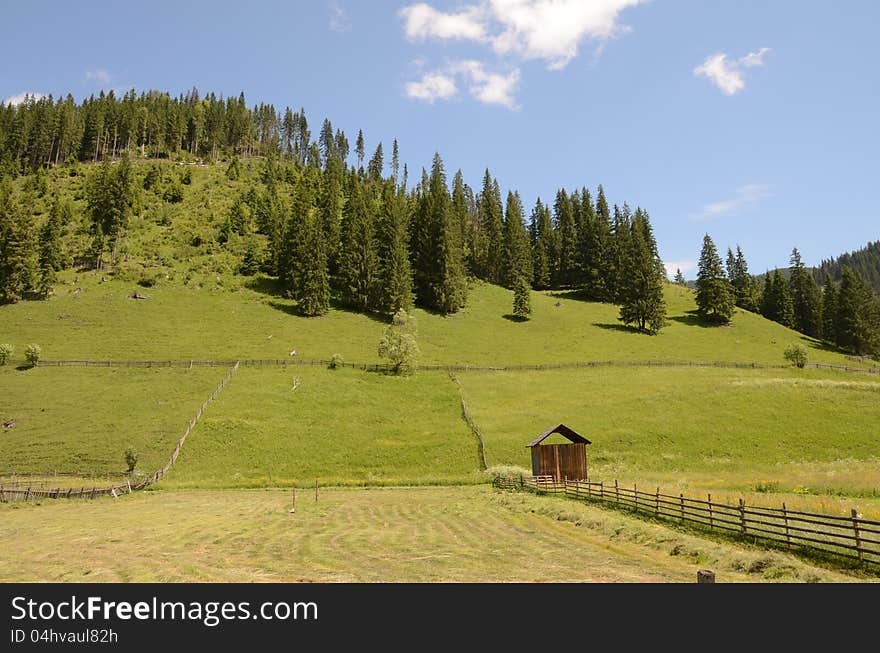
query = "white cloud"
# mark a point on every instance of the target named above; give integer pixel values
(729, 75)
(489, 88)
(18, 99)
(100, 75)
(551, 30)
(432, 87)
(424, 22)
(339, 19)
(746, 197)
(684, 266)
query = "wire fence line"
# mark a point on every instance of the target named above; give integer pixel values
(17, 493)
(848, 536)
(383, 367)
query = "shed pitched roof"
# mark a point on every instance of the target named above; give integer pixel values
(562, 430)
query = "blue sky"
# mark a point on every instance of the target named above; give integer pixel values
(754, 121)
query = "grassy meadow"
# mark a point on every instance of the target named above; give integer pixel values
(458, 534)
(250, 320)
(338, 426)
(79, 421)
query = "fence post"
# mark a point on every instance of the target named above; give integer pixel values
(711, 525)
(657, 502)
(27, 495)
(785, 517)
(636, 495)
(521, 482)
(616, 491)
(316, 490)
(602, 490)
(589, 491)
(681, 496)
(855, 521)
(742, 515)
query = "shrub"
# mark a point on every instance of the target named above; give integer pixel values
(32, 354)
(6, 353)
(399, 345)
(173, 194)
(131, 458)
(796, 355)
(335, 361)
(187, 177)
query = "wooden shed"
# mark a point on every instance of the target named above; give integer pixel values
(561, 461)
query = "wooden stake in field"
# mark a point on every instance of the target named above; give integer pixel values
(293, 499)
(316, 490)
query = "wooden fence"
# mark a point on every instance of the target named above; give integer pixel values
(851, 536)
(382, 367)
(30, 493)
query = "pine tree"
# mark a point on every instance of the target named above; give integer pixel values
(642, 300)
(617, 250)
(829, 311)
(376, 165)
(329, 207)
(591, 244)
(304, 272)
(714, 295)
(541, 232)
(395, 161)
(567, 262)
(517, 258)
(744, 290)
(522, 302)
(462, 220)
(806, 297)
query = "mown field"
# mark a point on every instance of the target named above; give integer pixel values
(460, 534)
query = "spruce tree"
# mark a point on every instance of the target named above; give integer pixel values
(829, 312)
(679, 278)
(462, 221)
(376, 165)
(541, 232)
(52, 258)
(359, 264)
(714, 295)
(566, 228)
(777, 303)
(743, 284)
(396, 273)
(522, 302)
(641, 293)
(17, 248)
(858, 315)
(360, 149)
(517, 257)
(806, 297)
(330, 209)
(617, 253)
(449, 291)
(608, 272)
(492, 228)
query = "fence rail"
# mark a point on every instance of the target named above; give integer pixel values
(27, 494)
(382, 367)
(851, 536)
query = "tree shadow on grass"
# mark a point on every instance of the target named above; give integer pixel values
(515, 318)
(623, 328)
(693, 318)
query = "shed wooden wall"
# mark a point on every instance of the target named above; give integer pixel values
(561, 461)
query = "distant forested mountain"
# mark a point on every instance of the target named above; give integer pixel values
(865, 261)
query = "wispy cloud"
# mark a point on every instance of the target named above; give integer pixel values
(432, 87)
(100, 75)
(339, 19)
(746, 197)
(727, 75)
(684, 266)
(21, 97)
